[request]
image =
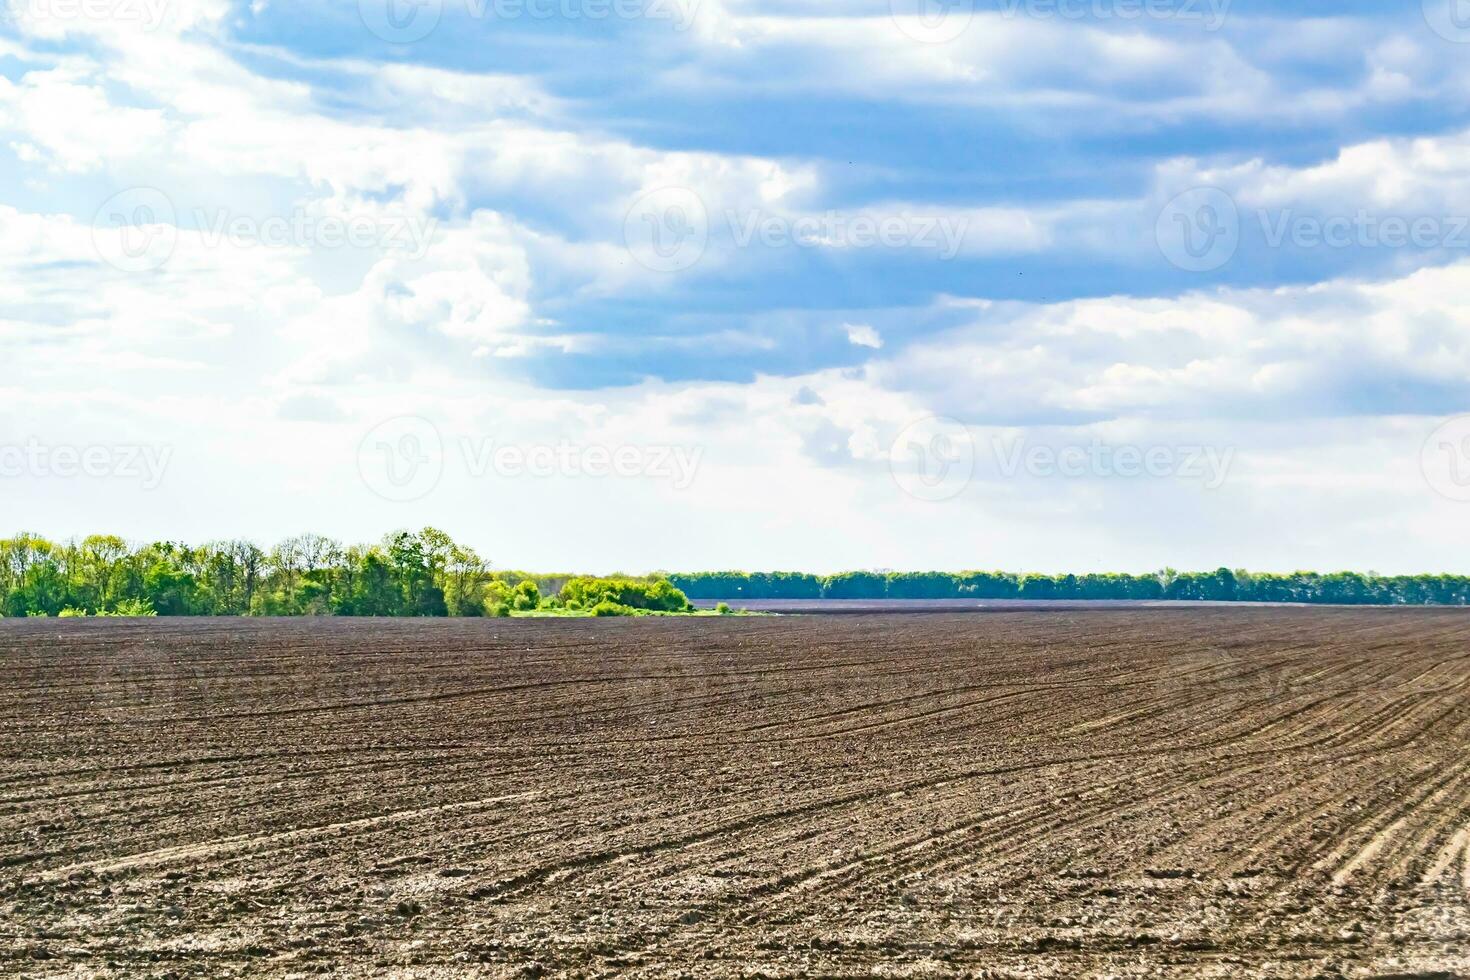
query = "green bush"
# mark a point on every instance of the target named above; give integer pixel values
(650, 594)
(131, 609)
(497, 594)
(499, 610)
(72, 612)
(573, 605)
(609, 608)
(525, 597)
(724, 609)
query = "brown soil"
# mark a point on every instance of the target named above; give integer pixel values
(1202, 793)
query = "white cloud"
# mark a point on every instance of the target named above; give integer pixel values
(863, 335)
(1127, 68)
(71, 124)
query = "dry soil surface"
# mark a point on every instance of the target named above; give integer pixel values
(1201, 793)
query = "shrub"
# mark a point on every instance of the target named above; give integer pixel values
(573, 605)
(71, 612)
(497, 594)
(526, 596)
(724, 609)
(498, 610)
(609, 608)
(653, 595)
(131, 609)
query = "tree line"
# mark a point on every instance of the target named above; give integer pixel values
(1222, 585)
(426, 573)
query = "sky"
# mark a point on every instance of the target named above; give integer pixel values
(1043, 285)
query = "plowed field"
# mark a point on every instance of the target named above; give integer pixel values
(1200, 793)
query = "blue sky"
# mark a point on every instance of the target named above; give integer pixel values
(872, 284)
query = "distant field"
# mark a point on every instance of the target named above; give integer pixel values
(1213, 792)
(838, 606)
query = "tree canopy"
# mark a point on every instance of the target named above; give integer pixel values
(406, 574)
(1221, 585)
